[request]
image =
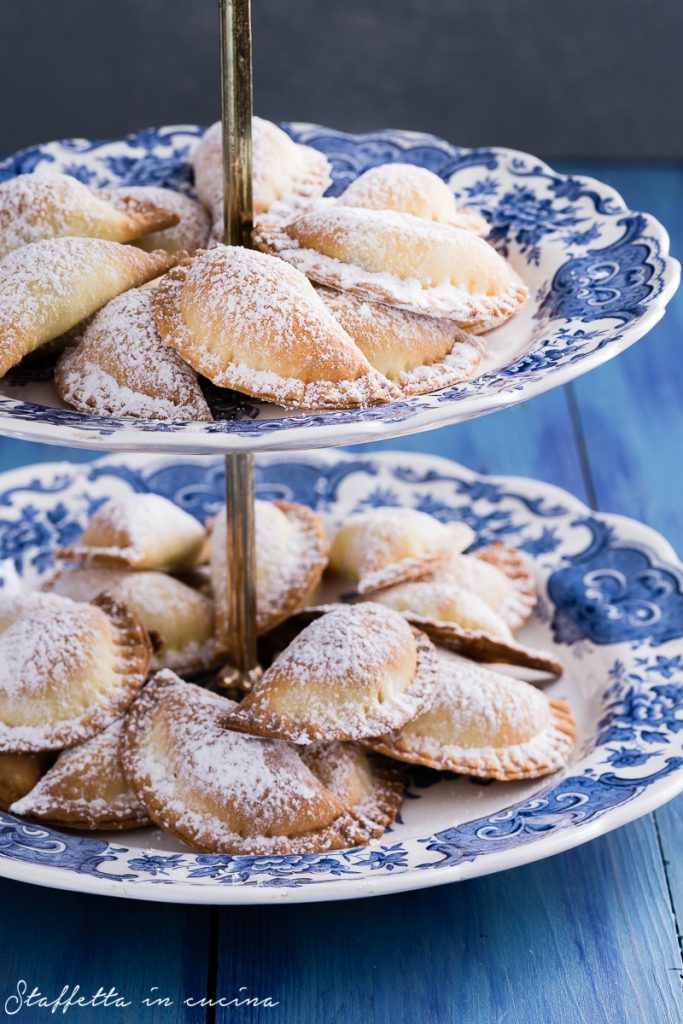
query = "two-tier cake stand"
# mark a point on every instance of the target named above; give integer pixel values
(600, 277)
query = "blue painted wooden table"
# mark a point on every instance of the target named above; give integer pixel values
(588, 936)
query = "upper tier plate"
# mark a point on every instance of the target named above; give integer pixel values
(600, 277)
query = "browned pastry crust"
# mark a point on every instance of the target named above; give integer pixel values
(519, 571)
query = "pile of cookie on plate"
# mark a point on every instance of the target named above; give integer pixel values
(374, 634)
(379, 294)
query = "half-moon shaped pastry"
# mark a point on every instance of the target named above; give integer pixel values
(222, 792)
(250, 322)
(281, 169)
(48, 287)
(419, 265)
(193, 229)
(370, 786)
(386, 545)
(408, 188)
(51, 205)
(66, 673)
(485, 724)
(138, 531)
(121, 367)
(18, 775)
(291, 554)
(418, 353)
(86, 788)
(343, 677)
(179, 619)
(463, 622)
(13, 606)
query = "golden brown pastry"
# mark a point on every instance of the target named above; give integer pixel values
(18, 775)
(344, 677)
(48, 204)
(179, 619)
(66, 673)
(281, 169)
(291, 554)
(138, 531)
(408, 188)
(418, 353)
(85, 788)
(121, 367)
(194, 224)
(250, 322)
(220, 791)
(463, 622)
(518, 604)
(368, 784)
(386, 545)
(485, 724)
(423, 266)
(46, 288)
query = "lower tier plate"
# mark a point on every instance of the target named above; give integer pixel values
(611, 610)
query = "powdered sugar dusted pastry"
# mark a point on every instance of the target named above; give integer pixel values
(121, 367)
(463, 622)
(194, 224)
(18, 775)
(250, 322)
(179, 619)
(344, 677)
(408, 188)
(418, 353)
(406, 261)
(49, 205)
(13, 606)
(518, 605)
(138, 531)
(291, 554)
(48, 287)
(281, 169)
(485, 724)
(220, 791)
(85, 788)
(370, 786)
(66, 673)
(386, 545)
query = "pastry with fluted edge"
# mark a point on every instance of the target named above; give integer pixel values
(281, 169)
(138, 531)
(85, 788)
(291, 555)
(408, 188)
(370, 785)
(179, 619)
(386, 545)
(485, 724)
(47, 204)
(419, 354)
(419, 265)
(220, 791)
(48, 287)
(121, 367)
(253, 323)
(344, 677)
(68, 672)
(462, 621)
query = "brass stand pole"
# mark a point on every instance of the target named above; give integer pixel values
(235, 32)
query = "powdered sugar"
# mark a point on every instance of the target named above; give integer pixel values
(194, 227)
(121, 367)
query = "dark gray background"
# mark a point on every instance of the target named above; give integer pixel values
(582, 78)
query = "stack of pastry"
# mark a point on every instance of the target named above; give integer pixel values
(373, 296)
(109, 717)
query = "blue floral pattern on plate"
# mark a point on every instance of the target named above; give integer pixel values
(611, 609)
(600, 277)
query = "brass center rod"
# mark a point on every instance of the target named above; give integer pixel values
(236, 109)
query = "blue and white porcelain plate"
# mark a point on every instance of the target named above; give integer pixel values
(600, 276)
(611, 610)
